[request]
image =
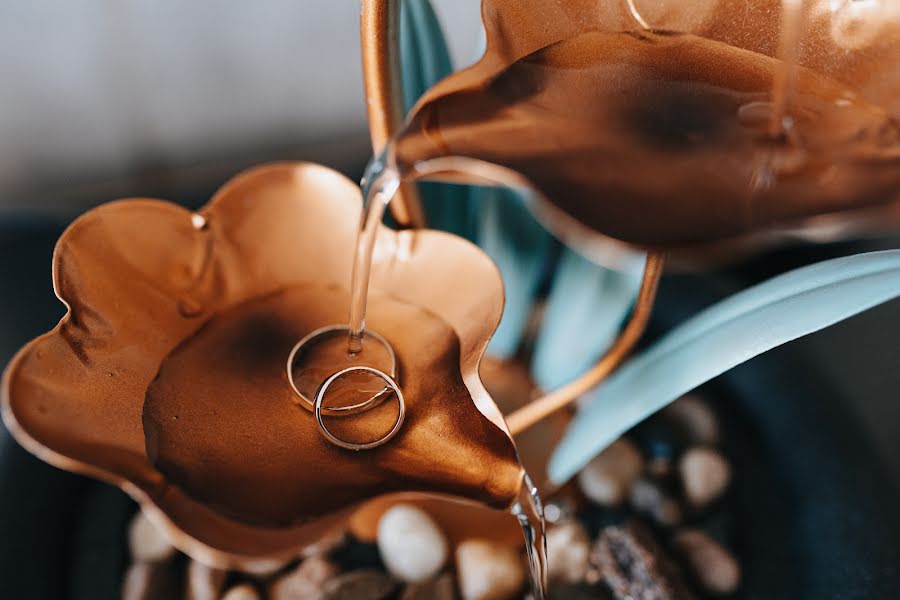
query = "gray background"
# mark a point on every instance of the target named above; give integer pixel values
(91, 90)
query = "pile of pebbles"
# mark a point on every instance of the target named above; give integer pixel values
(644, 520)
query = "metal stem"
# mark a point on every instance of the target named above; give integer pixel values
(544, 406)
(380, 38)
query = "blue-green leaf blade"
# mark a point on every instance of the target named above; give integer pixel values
(585, 309)
(722, 337)
(520, 247)
(425, 60)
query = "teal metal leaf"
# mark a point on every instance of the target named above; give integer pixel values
(585, 310)
(425, 60)
(424, 56)
(721, 337)
(521, 249)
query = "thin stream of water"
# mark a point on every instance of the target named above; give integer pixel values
(379, 187)
(788, 53)
(530, 513)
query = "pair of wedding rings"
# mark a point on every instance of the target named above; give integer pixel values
(317, 405)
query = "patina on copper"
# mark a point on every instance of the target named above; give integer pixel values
(166, 376)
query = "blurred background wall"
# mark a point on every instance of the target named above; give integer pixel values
(103, 98)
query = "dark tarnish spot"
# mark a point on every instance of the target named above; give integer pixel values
(676, 117)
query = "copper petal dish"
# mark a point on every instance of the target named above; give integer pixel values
(165, 377)
(561, 97)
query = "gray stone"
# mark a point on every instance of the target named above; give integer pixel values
(441, 588)
(146, 542)
(359, 585)
(568, 549)
(489, 571)
(578, 591)
(150, 581)
(705, 475)
(608, 477)
(263, 568)
(648, 496)
(696, 419)
(411, 544)
(245, 591)
(305, 582)
(712, 565)
(203, 582)
(633, 565)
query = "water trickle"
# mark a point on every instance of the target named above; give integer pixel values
(379, 185)
(785, 77)
(530, 513)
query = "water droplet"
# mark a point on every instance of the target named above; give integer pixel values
(200, 290)
(199, 222)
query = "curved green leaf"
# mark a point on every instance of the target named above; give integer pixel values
(586, 307)
(521, 249)
(721, 337)
(425, 60)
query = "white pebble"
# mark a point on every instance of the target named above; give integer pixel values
(697, 418)
(146, 542)
(608, 477)
(263, 567)
(411, 544)
(488, 571)
(241, 592)
(203, 582)
(713, 566)
(305, 581)
(705, 474)
(149, 581)
(568, 552)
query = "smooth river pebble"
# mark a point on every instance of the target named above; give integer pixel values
(568, 549)
(203, 582)
(608, 477)
(305, 581)
(488, 571)
(705, 475)
(712, 565)
(244, 591)
(695, 418)
(146, 542)
(411, 544)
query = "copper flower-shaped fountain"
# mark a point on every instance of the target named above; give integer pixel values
(166, 376)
